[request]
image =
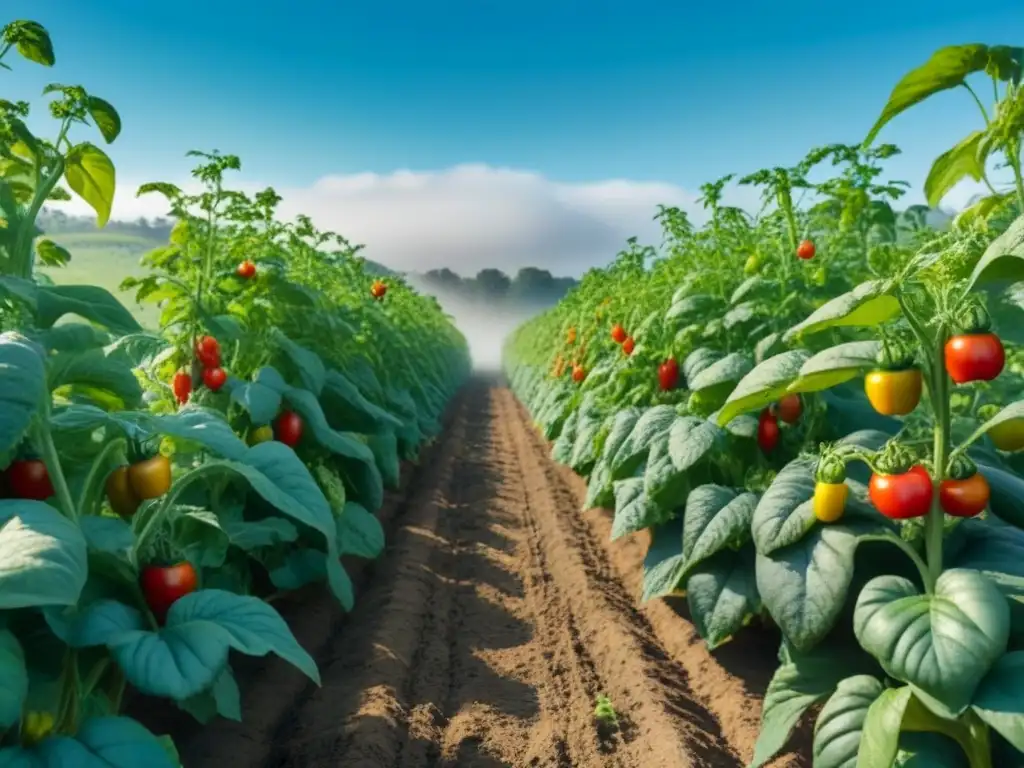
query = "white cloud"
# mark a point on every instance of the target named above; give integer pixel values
(467, 218)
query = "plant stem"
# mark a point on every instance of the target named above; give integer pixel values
(168, 501)
(97, 465)
(935, 523)
(44, 441)
(23, 258)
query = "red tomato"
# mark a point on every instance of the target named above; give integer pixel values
(28, 479)
(901, 497)
(974, 357)
(378, 289)
(789, 408)
(767, 431)
(964, 498)
(214, 378)
(579, 373)
(628, 345)
(618, 333)
(246, 270)
(208, 352)
(805, 250)
(288, 428)
(668, 375)
(163, 586)
(182, 386)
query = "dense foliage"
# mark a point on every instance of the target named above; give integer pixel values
(812, 412)
(159, 486)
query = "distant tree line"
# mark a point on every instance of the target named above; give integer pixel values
(53, 222)
(530, 287)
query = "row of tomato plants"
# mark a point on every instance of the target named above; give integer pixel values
(810, 412)
(160, 487)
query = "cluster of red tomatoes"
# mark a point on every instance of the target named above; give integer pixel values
(788, 409)
(207, 352)
(619, 336)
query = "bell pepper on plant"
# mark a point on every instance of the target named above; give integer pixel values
(976, 354)
(894, 388)
(898, 488)
(830, 489)
(965, 492)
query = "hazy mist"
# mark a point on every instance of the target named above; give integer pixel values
(485, 326)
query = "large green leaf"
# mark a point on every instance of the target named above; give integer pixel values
(941, 644)
(43, 556)
(22, 387)
(763, 385)
(101, 742)
(946, 69)
(835, 365)
(721, 592)
(998, 699)
(91, 175)
(837, 731)
(868, 304)
(951, 167)
(1002, 262)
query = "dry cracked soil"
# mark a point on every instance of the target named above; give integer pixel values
(485, 633)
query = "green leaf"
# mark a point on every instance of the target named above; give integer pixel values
(205, 427)
(880, 731)
(32, 41)
(946, 69)
(721, 374)
(359, 532)
(13, 679)
(98, 305)
(837, 731)
(93, 369)
(90, 174)
(663, 564)
(942, 644)
(930, 750)
(699, 360)
(797, 684)
(950, 168)
(652, 425)
(763, 385)
(690, 440)
(869, 304)
(1006, 498)
(105, 117)
(835, 365)
(721, 592)
(101, 742)
(716, 518)
(42, 556)
(998, 701)
(70, 337)
(345, 405)
(996, 550)
(189, 653)
(310, 367)
(634, 509)
(22, 387)
(50, 254)
(1002, 262)
(385, 454)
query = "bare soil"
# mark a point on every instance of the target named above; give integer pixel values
(484, 635)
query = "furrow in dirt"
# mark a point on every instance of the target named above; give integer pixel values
(729, 681)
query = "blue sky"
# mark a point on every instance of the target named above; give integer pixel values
(576, 92)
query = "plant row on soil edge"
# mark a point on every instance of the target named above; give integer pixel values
(161, 487)
(815, 413)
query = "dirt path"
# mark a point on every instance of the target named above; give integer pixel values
(486, 633)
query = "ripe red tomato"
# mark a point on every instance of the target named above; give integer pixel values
(378, 289)
(163, 586)
(246, 270)
(628, 345)
(767, 431)
(208, 352)
(288, 428)
(964, 498)
(974, 357)
(789, 408)
(805, 250)
(668, 374)
(28, 479)
(579, 373)
(214, 378)
(182, 386)
(618, 333)
(901, 497)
